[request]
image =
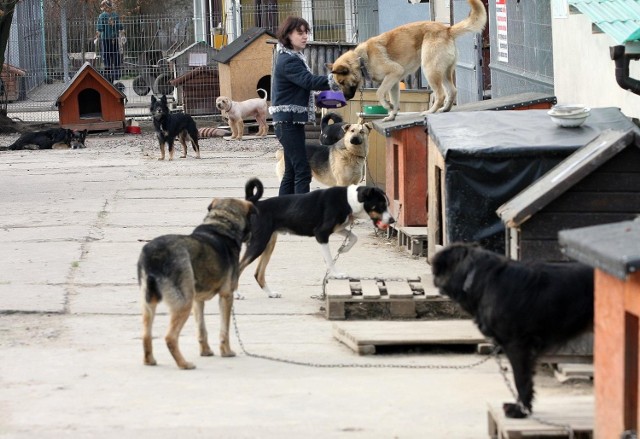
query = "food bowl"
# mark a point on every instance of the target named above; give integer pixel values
(375, 109)
(568, 109)
(133, 129)
(330, 99)
(569, 120)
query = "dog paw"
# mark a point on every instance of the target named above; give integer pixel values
(150, 362)
(187, 366)
(339, 275)
(512, 410)
(206, 353)
(238, 296)
(183, 156)
(274, 295)
(228, 353)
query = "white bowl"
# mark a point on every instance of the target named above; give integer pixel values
(572, 121)
(568, 109)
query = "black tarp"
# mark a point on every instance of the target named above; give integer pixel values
(490, 156)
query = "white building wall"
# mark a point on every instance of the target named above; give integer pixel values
(583, 69)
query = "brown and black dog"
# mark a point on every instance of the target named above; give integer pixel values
(186, 270)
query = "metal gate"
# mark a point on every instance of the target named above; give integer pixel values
(469, 76)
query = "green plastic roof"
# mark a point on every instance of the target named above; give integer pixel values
(620, 19)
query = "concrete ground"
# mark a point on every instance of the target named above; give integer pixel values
(73, 223)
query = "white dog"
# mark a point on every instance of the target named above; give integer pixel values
(236, 112)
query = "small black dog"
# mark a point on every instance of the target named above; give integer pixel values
(331, 133)
(54, 138)
(77, 139)
(168, 126)
(527, 308)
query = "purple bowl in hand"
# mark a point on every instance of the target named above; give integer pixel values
(330, 99)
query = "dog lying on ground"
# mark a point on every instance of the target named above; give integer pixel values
(236, 112)
(54, 138)
(331, 133)
(168, 126)
(341, 164)
(185, 270)
(526, 308)
(319, 213)
(389, 57)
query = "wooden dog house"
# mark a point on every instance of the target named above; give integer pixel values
(245, 65)
(91, 102)
(199, 89)
(612, 249)
(479, 160)
(12, 83)
(597, 184)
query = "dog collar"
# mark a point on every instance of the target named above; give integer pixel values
(364, 70)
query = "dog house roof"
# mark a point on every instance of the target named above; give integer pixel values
(566, 174)
(228, 52)
(84, 71)
(612, 248)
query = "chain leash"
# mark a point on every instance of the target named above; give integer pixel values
(346, 365)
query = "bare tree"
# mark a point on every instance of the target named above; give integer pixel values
(6, 17)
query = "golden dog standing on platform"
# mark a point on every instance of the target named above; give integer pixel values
(389, 57)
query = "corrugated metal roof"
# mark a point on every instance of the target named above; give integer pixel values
(620, 19)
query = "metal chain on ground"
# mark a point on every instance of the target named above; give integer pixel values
(503, 372)
(347, 365)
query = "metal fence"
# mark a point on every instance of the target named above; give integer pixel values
(44, 54)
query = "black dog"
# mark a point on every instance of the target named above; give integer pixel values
(77, 139)
(319, 213)
(526, 308)
(168, 126)
(331, 133)
(54, 138)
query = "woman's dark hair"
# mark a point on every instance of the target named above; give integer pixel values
(288, 26)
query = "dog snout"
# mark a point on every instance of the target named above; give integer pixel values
(356, 140)
(350, 92)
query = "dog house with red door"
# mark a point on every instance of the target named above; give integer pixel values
(245, 65)
(91, 102)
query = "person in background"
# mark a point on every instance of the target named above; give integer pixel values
(109, 31)
(292, 103)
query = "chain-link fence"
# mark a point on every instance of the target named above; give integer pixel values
(44, 53)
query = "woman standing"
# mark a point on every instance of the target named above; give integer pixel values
(109, 30)
(293, 103)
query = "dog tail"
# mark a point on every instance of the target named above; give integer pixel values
(474, 23)
(335, 117)
(263, 91)
(153, 293)
(253, 190)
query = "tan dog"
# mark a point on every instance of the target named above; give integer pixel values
(389, 57)
(340, 164)
(256, 108)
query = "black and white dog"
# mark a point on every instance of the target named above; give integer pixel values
(319, 213)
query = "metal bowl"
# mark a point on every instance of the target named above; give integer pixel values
(569, 120)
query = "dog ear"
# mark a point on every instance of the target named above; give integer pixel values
(340, 70)
(369, 126)
(345, 127)
(163, 99)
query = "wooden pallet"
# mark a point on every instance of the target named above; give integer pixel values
(575, 411)
(364, 336)
(414, 239)
(348, 299)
